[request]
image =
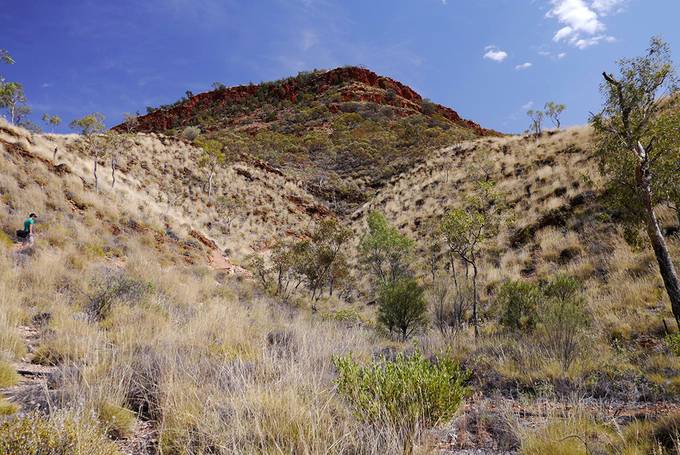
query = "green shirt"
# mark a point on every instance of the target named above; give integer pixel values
(27, 224)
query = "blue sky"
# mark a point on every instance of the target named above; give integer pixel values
(487, 59)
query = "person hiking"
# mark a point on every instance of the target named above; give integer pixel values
(29, 229)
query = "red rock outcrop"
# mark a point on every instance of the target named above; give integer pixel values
(361, 80)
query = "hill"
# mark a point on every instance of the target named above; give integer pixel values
(342, 132)
(133, 320)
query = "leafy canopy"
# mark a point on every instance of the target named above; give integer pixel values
(641, 107)
(384, 250)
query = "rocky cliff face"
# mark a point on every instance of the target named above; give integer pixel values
(351, 83)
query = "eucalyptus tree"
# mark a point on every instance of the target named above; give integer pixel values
(91, 126)
(638, 133)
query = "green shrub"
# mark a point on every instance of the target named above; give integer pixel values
(60, 434)
(8, 375)
(7, 408)
(190, 133)
(407, 394)
(518, 301)
(118, 421)
(673, 342)
(562, 318)
(402, 307)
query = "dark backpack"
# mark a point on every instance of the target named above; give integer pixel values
(22, 234)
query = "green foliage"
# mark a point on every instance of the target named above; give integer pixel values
(89, 124)
(7, 408)
(518, 301)
(12, 98)
(638, 146)
(563, 317)
(117, 421)
(51, 120)
(466, 230)
(409, 394)
(218, 86)
(402, 307)
(649, 119)
(384, 251)
(554, 314)
(60, 433)
(8, 375)
(339, 148)
(673, 342)
(554, 110)
(112, 288)
(190, 133)
(536, 126)
(6, 58)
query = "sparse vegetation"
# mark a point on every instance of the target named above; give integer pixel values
(346, 333)
(639, 147)
(402, 308)
(409, 394)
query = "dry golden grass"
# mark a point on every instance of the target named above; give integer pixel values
(218, 365)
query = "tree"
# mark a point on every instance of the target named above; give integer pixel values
(384, 251)
(536, 127)
(90, 126)
(402, 306)
(6, 58)
(323, 251)
(218, 86)
(212, 156)
(563, 318)
(554, 111)
(639, 147)
(466, 229)
(51, 120)
(112, 143)
(228, 207)
(518, 302)
(11, 98)
(130, 122)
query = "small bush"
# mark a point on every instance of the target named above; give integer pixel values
(116, 420)
(7, 408)
(8, 375)
(402, 307)
(115, 287)
(563, 316)
(571, 436)
(60, 434)
(518, 302)
(407, 394)
(190, 133)
(673, 342)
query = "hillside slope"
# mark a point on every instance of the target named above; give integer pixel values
(120, 322)
(341, 133)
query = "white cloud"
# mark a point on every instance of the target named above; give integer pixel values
(605, 7)
(528, 105)
(561, 55)
(495, 54)
(581, 21)
(46, 85)
(524, 66)
(309, 39)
